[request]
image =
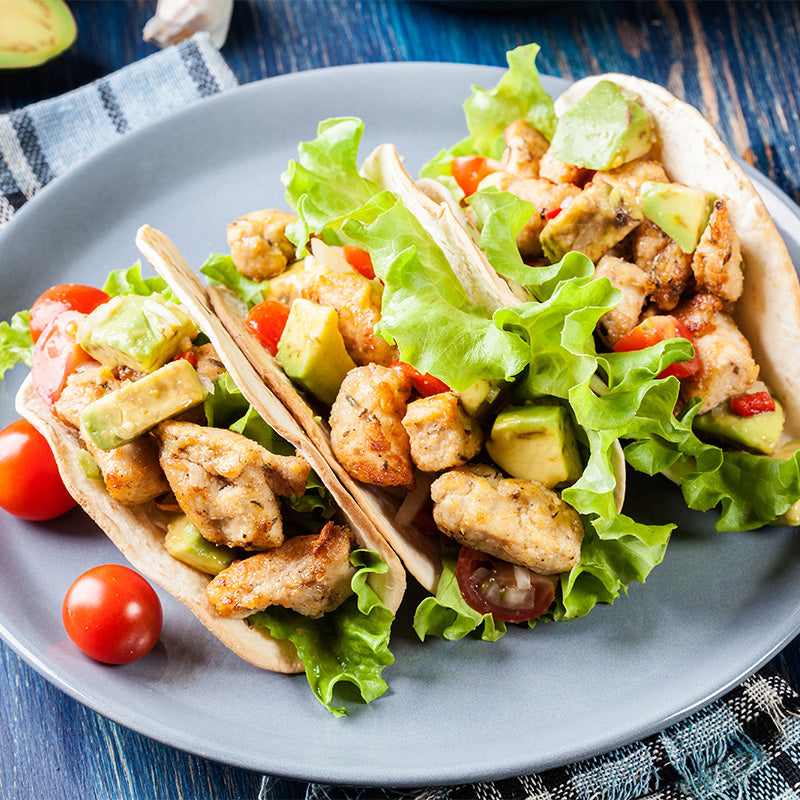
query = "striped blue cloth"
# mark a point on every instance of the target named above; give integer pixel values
(45, 139)
(744, 746)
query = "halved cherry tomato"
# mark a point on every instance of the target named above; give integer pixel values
(469, 171)
(56, 355)
(508, 592)
(360, 260)
(113, 614)
(64, 297)
(267, 321)
(748, 405)
(30, 484)
(657, 329)
(425, 383)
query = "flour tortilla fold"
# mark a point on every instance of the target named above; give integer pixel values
(441, 218)
(768, 312)
(136, 531)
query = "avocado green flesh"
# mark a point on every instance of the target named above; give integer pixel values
(680, 211)
(477, 400)
(184, 542)
(759, 433)
(142, 333)
(536, 443)
(603, 130)
(138, 406)
(311, 350)
(34, 31)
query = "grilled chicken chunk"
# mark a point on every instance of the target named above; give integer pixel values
(635, 287)
(633, 174)
(524, 148)
(545, 196)
(668, 267)
(308, 574)
(208, 366)
(259, 246)
(559, 171)
(358, 309)
(87, 384)
(226, 483)
(367, 433)
(727, 365)
(521, 522)
(441, 433)
(717, 262)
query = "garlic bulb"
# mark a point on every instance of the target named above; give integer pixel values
(176, 20)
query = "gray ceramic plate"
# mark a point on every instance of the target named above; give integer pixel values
(718, 607)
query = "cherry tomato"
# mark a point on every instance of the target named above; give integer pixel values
(56, 355)
(425, 383)
(469, 171)
(30, 484)
(360, 260)
(113, 614)
(267, 321)
(509, 593)
(748, 405)
(657, 329)
(65, 297)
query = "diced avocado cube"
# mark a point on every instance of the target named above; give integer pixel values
(598, 218)
(477, 400)
(536, 443)
(184, 542)
(311, 350)
(138, 406)
(142, 333)
(682, 212)
(792, 515)
(603, 130)
(759, 433)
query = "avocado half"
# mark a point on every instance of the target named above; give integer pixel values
(34, 31)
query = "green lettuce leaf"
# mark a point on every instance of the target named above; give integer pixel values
(130, 281)
(350, 645)
(220, 269)
(16, 343)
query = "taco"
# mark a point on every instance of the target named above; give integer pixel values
(210, 488)
(458, 422)
(620, 170)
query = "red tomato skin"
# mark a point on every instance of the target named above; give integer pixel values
(424, 383)
(748, 405)
(360, 260)
(657, 329)
(112, 614)
(64, 297)
(56, 355)
(266, 322)
(469, 171)
(30, 484)
(469, 561)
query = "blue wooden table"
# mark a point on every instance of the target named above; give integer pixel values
(739, 62)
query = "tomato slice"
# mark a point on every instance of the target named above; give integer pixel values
(425, 383)
(360, 260)
(508, 592)
(56, 355)
(64, 297)
(657, 329)
(267, 321)
(748, 405)
(469, 171)
(30, 483)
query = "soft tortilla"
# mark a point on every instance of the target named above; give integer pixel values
(136, 531)
(768, 312)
